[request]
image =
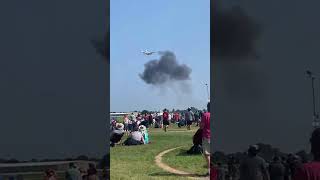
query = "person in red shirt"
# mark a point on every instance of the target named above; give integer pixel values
(165, 118)
(176, 117)
(150, 119)
(311, 170)
(206, 135)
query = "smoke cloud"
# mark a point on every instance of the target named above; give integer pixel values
(166, 70)
(102, 46)
(234, 34)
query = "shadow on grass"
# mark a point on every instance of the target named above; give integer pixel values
(183, 152)
(163, 174)
(176, 175)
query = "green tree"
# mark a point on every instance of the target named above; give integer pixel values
(144, 112)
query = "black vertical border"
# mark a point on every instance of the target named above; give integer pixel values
(213, 98)
(107, 89)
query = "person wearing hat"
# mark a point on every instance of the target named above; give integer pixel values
(145, 134)
(311, 170)
(116, 134)
(253, 167)
(165, 117)
(189, 117)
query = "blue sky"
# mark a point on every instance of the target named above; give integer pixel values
(181, 26)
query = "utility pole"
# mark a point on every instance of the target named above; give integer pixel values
(208, 92)
(313, 77)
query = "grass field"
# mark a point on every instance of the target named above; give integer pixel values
(179, 159)
(137, 162)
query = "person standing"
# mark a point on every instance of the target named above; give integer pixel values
(232, 169)
(165, 117)
(287, 174)
(221, 172)
(176, 117)
(126, 124)
(206, 135)
(189, 117)
(150, 119)
(196, 117)
(277, 169)
(92, 172)
(311, 170)
(73, 172)
(253, 167)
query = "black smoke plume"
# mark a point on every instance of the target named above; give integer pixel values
(234, 34)
(165, 70)
(234, 53)
(102, 46)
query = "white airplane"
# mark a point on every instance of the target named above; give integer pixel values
(148, 53)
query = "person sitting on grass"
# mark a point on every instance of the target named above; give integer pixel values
(197, 142)
(113, 123)
(135, 137)
(145, 122)
(130, 125)
(117, 134)
(145, 134)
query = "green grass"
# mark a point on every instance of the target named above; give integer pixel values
(179, 159)
(137, 162)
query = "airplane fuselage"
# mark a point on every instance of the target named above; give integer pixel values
(147, 52)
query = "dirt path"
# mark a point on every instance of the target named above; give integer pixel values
(158, 161)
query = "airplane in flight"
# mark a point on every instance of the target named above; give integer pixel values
(148, 53)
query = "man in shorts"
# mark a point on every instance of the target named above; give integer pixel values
(189, 117)
(165, 117)
(206, 135)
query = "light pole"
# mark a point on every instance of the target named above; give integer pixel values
(313, 77)
(208, 92)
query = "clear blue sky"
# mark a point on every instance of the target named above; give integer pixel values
(181, 26)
